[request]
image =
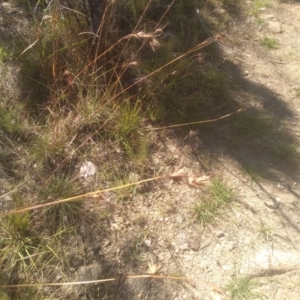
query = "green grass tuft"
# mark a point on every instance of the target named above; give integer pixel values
(242, 288)
(18, 242)
(269, 43)
(254, 126)
(219, 196)
(257, 5)
(287, 153)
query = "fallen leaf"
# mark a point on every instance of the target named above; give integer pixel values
(178, 175)
(198, 181)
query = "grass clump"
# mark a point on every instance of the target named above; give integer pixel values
(265, 231)
(269, 43)
(255, 172)
(257, 5)
(219, 196)
(287, 153)
(254, 127)
(18, 242)
(242, 288)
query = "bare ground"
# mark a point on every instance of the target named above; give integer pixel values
(259, 236)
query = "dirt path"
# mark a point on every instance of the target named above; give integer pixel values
(260, 236)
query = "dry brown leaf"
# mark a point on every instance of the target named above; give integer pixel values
(198, 181)
(178, 175)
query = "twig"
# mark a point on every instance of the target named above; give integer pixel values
(193, 123)
(91, 281)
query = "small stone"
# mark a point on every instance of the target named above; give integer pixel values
(231, 246)
(87, 169)
(273, 205)
(88, 273)
(194, 241)
(184, 247)
(280, 186)
(220, 234)
(274, 26)
(147, 243)
(245, 73)
(179, 219)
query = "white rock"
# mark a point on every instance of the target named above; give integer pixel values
(266, 260)
(147, 242)
(87, 169)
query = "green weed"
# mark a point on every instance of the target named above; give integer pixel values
(242, 288)
(265, 231)
(219, 196)
(13, 122)
(220, 192)
(18, 242)
(257, 5)
(3, 54)
(269, 43)
(206, 212)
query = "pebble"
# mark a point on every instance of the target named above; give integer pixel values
(273, 204)
(274, 26)
(194, 241)
(220, 234)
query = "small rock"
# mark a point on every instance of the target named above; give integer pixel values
(85, 273)
(274, 26)
(87, 169)
(245, 73)
(269, 261)
(267, 17)
(194, 241)
(184, 247)
(273, 205)
(280, 186)
(147, 243)
(220, 234)
(231, 246)
(88, 273)
(179, 219)
(182, 241)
